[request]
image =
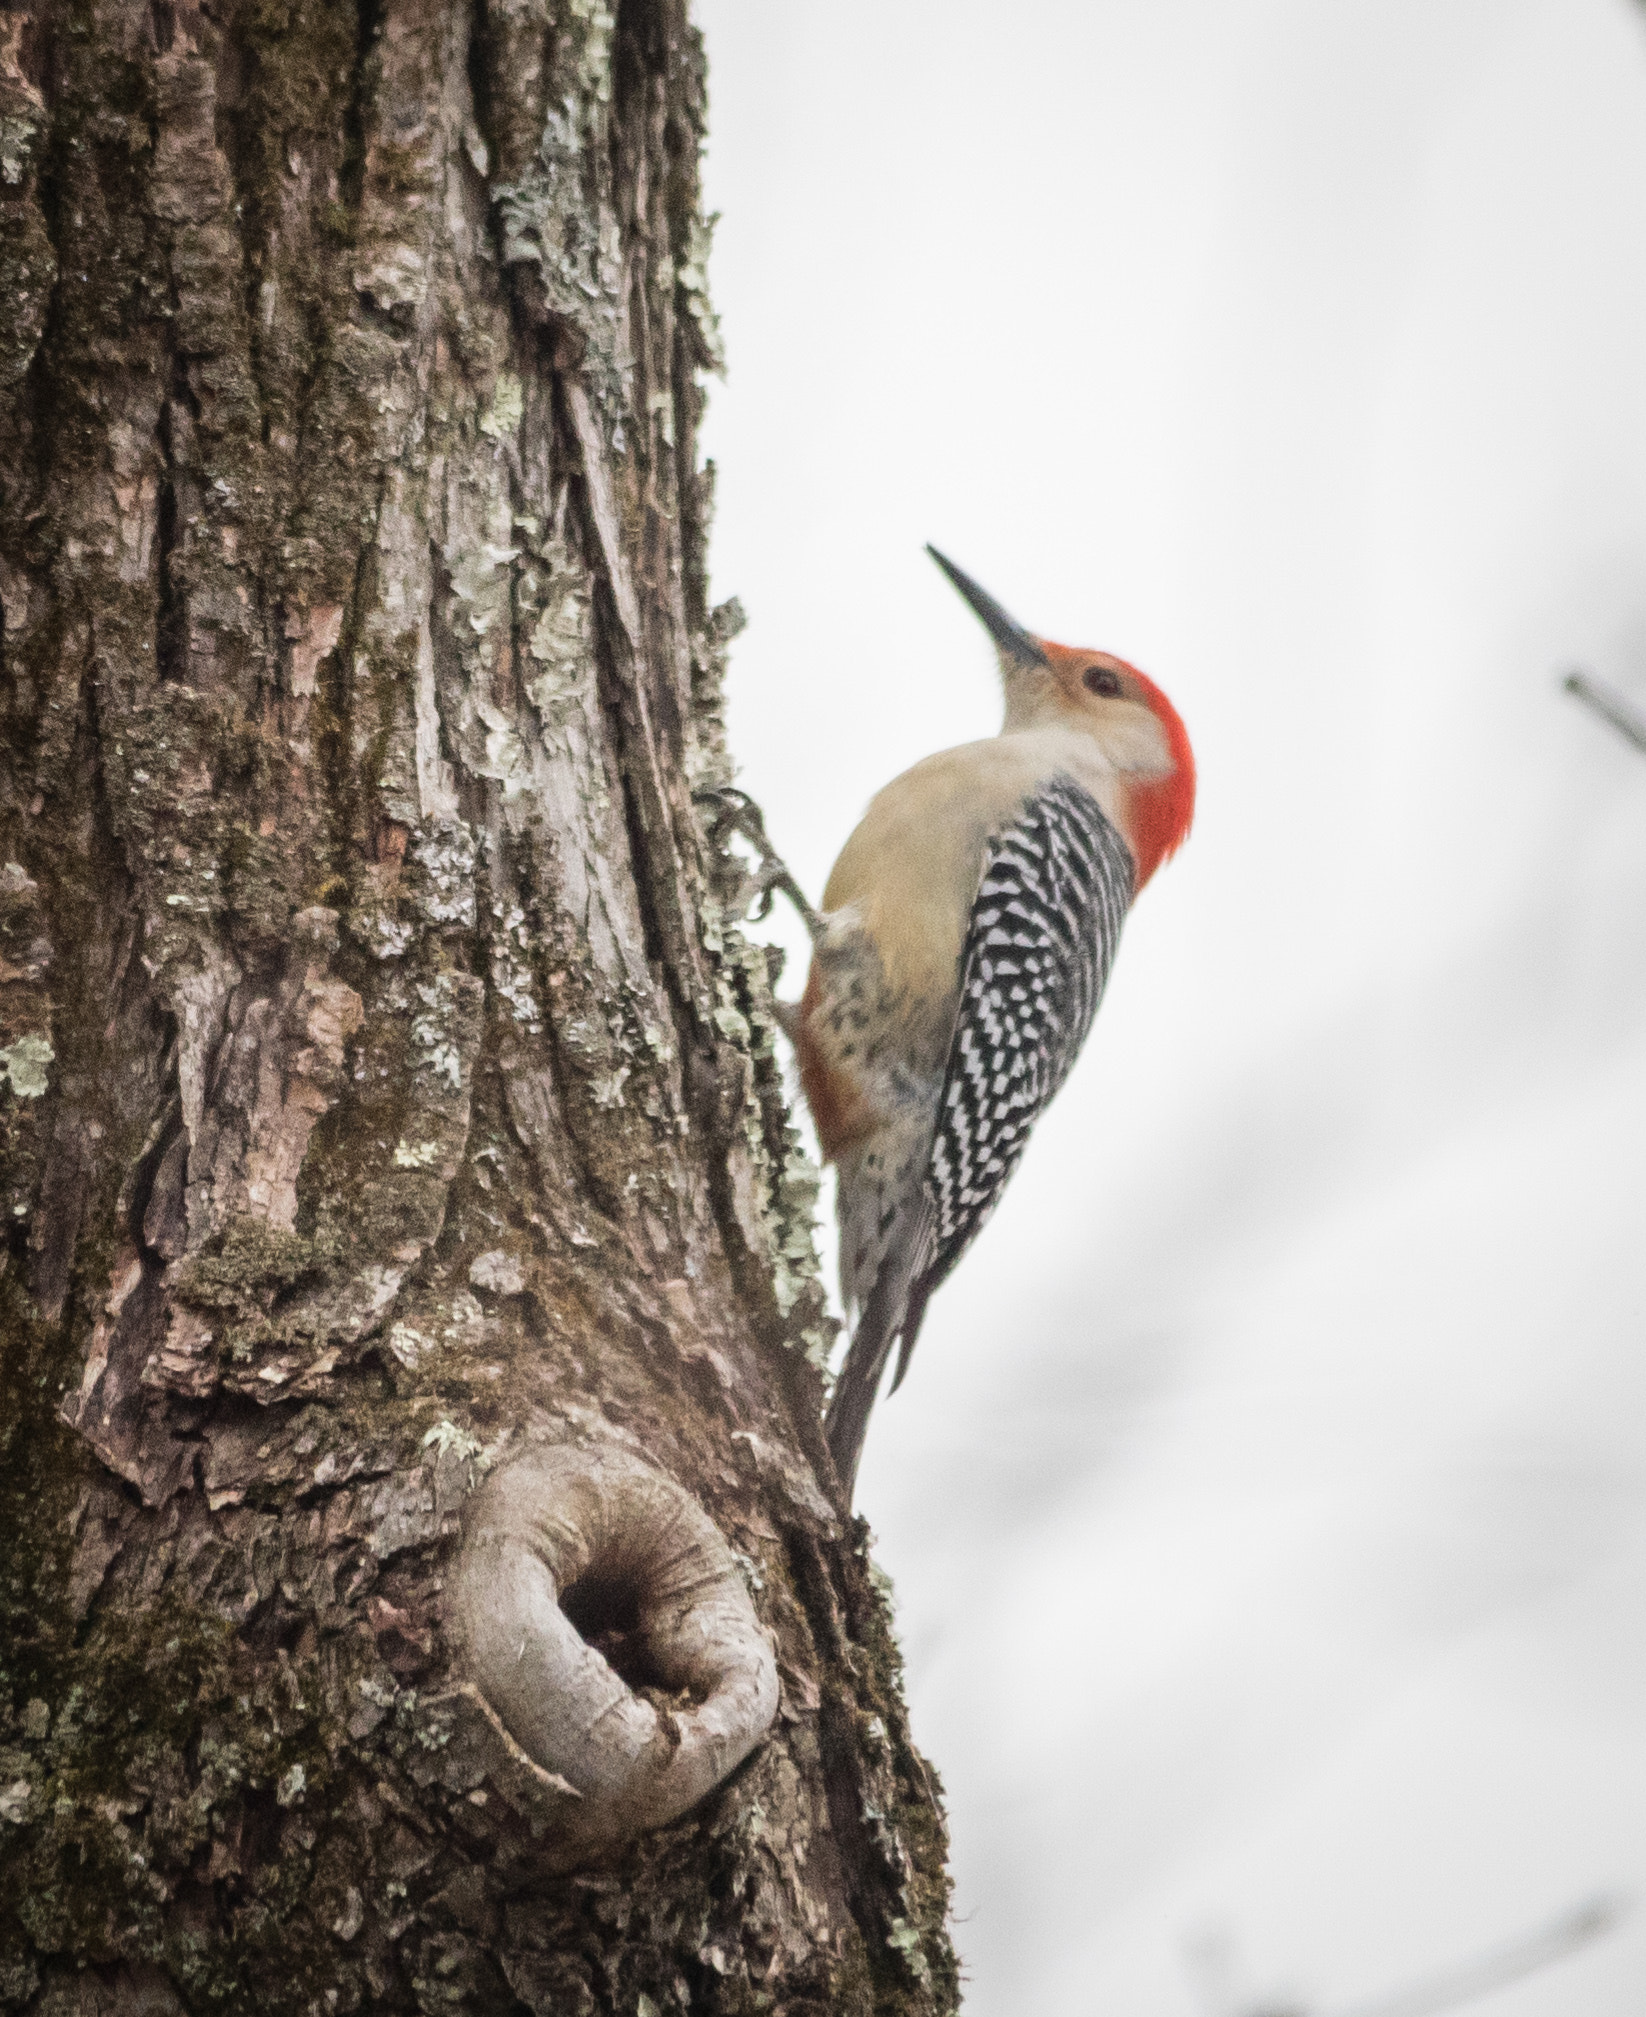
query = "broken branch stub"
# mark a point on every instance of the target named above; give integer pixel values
(564, 1537)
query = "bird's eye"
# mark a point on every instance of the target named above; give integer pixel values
(1099, 679)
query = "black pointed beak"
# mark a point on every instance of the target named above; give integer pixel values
(1011, 637)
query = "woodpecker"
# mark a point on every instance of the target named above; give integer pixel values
(966, 934)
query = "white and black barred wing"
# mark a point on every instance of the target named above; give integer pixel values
(1044, 928)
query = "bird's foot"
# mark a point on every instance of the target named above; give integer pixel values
(732, 811)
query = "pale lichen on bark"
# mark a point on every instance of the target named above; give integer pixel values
(387, 1089)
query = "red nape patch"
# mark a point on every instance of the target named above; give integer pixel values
(1163, 808)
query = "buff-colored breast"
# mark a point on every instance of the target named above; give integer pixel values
(906, 880)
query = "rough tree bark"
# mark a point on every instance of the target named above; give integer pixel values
(388, 1100)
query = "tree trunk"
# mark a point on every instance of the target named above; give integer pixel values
(402, 1219)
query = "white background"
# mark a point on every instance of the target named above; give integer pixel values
(1267, 1503)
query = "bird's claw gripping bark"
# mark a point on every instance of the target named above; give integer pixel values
(732, 812)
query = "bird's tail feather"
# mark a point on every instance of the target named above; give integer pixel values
(847, 1421)
(894, 1309)
(914, 1315)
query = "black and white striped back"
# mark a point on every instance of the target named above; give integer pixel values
(1044, 928)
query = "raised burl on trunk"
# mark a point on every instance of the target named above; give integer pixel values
(587, 1582)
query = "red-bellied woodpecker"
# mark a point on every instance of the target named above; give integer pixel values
(966, 935)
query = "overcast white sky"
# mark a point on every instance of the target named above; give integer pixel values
(1267, 1503)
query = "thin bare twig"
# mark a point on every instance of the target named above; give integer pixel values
(1212, 1958)
(1609, 704)
(1572, 1930)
